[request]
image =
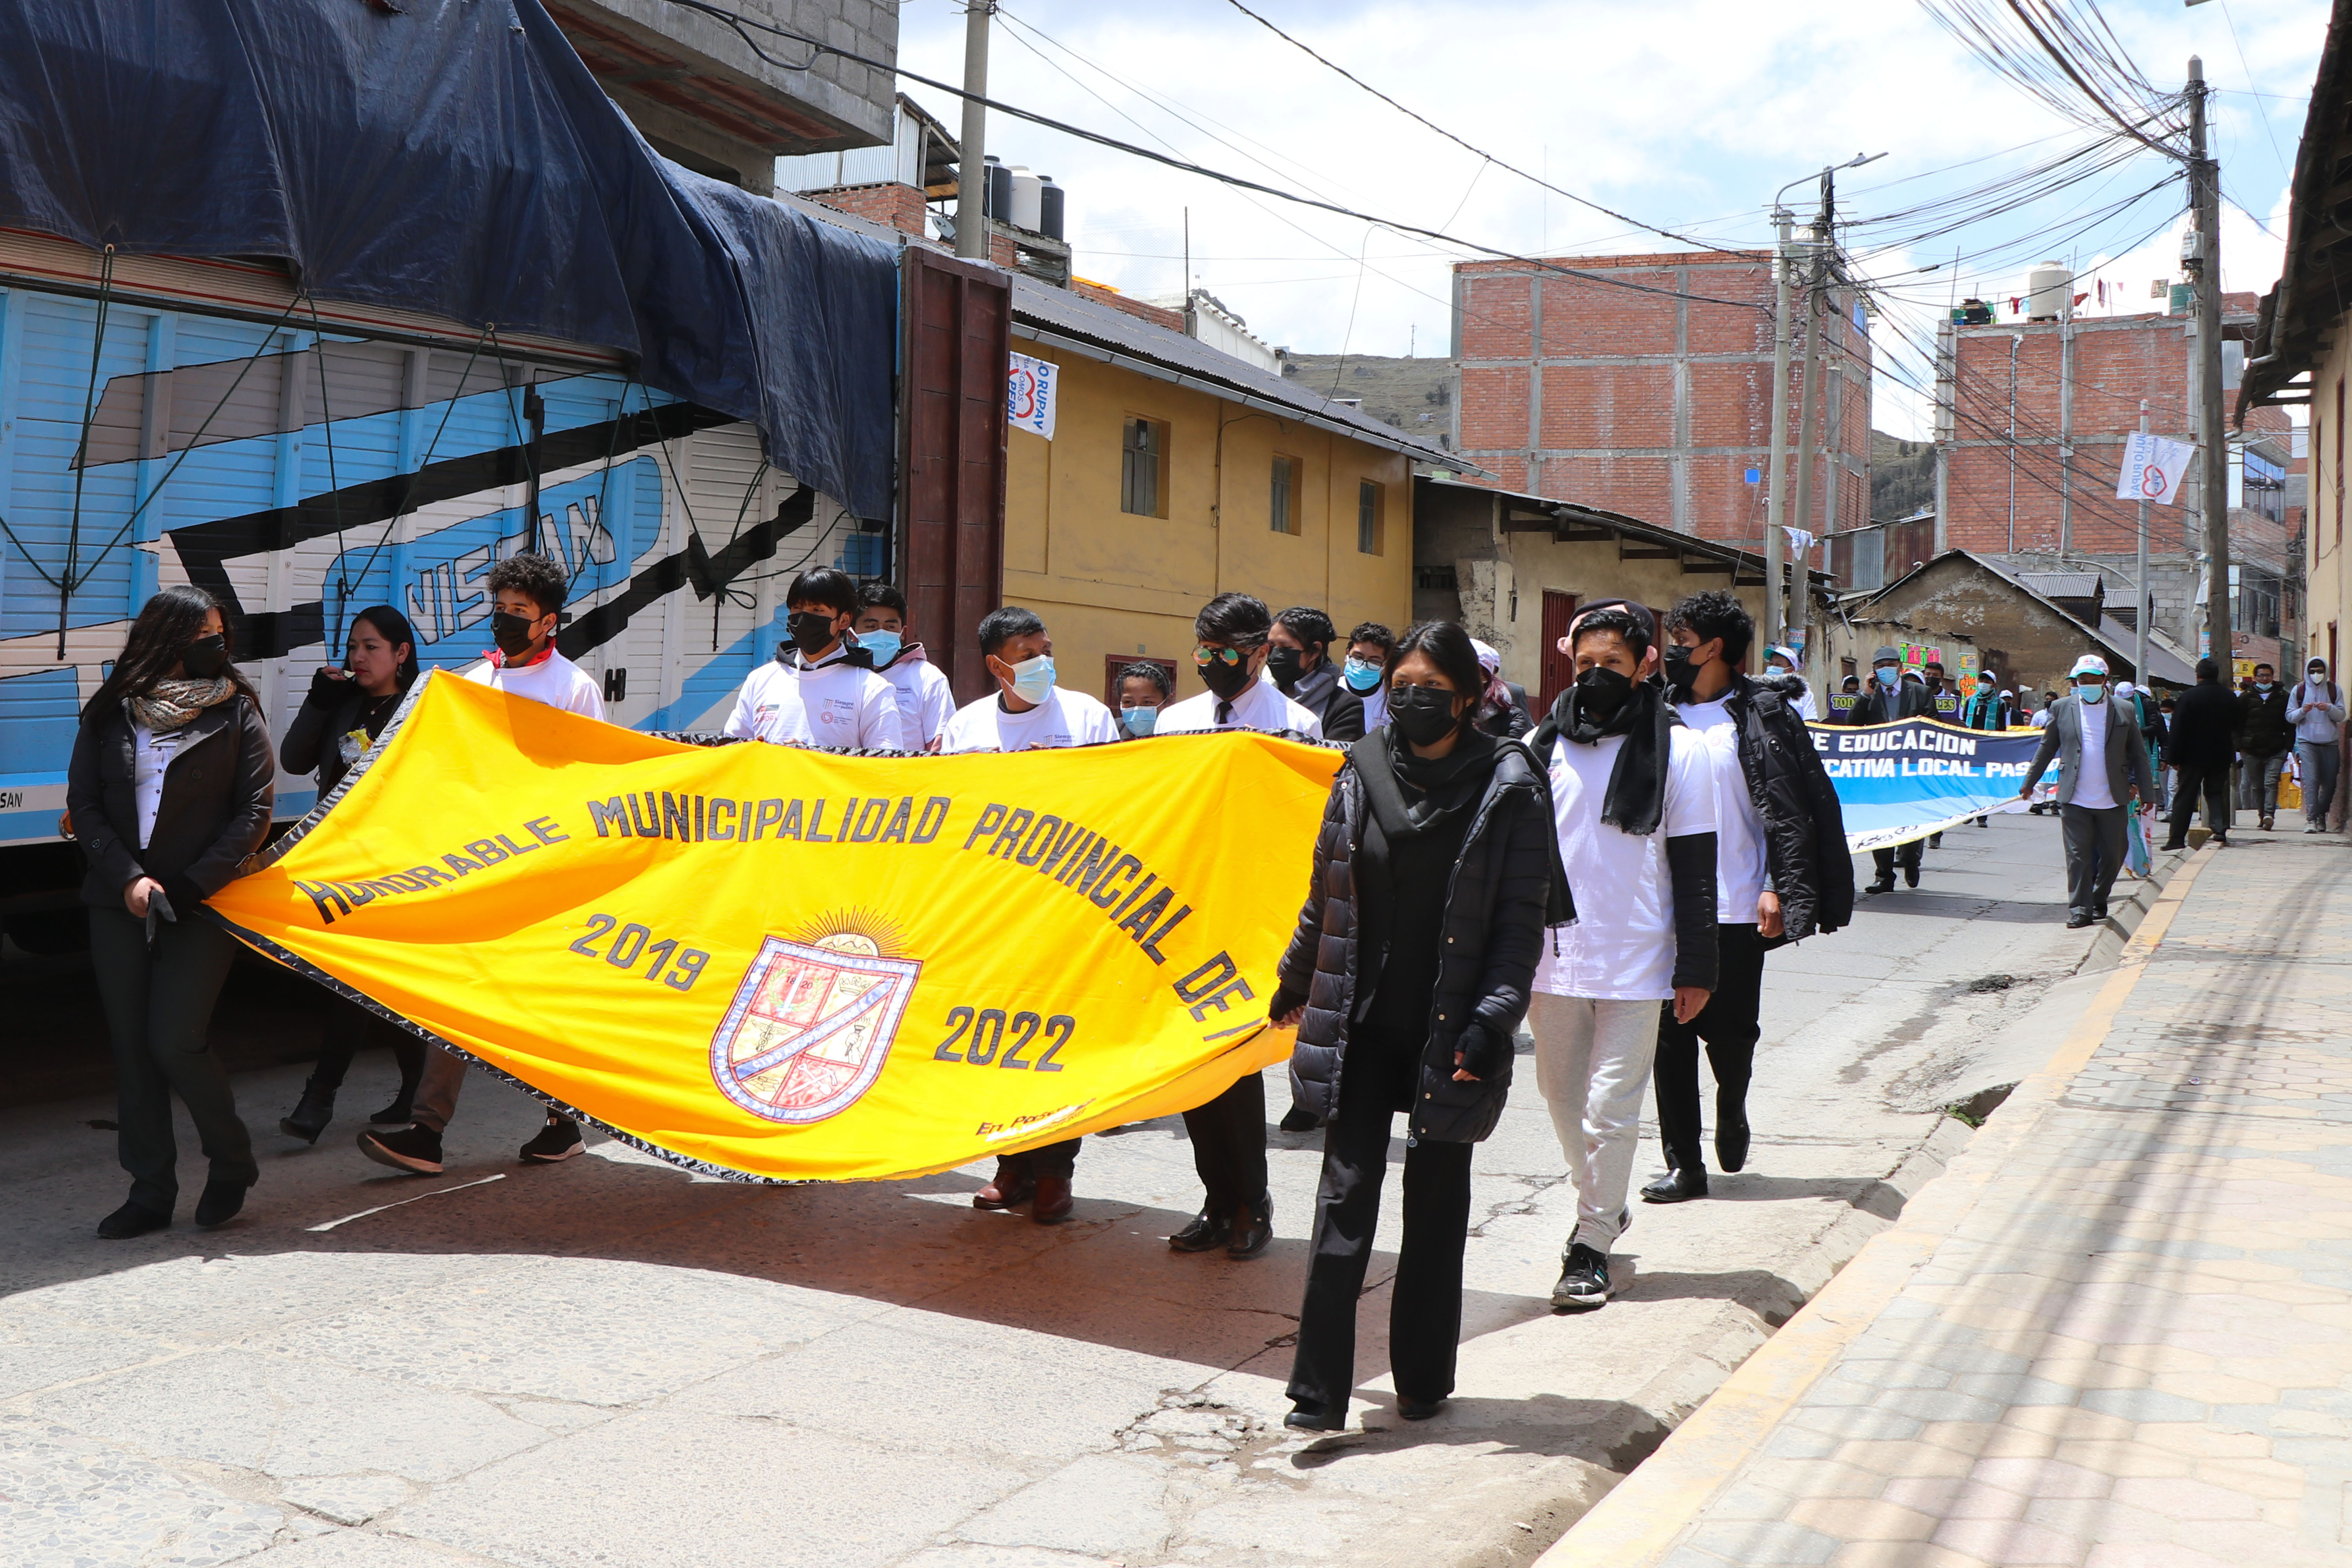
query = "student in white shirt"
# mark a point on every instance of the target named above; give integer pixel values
(1028, 711)
(1365, 673)
(1144, 689)
(527, 594)
(925, 701)
(1633, 796)
(1232, 632)
(816, 691)
(1781, 672)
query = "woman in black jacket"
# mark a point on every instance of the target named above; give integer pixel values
(1435, 872)
(344, 712)
(169, 790)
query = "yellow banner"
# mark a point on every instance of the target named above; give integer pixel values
(799, 965)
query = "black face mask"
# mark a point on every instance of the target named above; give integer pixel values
(206, 656)
(812, 631)
(1600, 691)
(512, 633)
(1681, 674)
(1284, 664)
(1227, 681)
(1423, 714)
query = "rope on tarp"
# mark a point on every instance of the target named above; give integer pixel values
(66, 583)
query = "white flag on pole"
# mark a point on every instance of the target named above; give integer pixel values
(2152, 469)
(1029, 394)
(1799, 542)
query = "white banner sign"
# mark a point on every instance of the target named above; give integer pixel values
(1029, 388)
(2152, 469)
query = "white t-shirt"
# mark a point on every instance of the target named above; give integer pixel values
(1621, 947)
(925, 701)
(554, 681)
(1807, 708)
(1261, 707)
(1740, 868)
(152, 752)
(2091, 788)
(836, 706)
(1065, 718)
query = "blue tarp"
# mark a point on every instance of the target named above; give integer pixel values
(455, 158)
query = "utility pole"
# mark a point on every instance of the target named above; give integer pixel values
(2213, 490)
(1809, 400)
(2139, 616)
(971, 171)
(1775, 498)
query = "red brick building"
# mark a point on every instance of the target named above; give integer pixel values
(1650, 393)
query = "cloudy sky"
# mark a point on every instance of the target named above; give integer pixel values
(1686, 114)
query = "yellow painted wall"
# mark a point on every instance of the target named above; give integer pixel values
(2327, 555)
(1108, 582)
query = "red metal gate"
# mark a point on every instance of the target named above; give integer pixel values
(951, 457)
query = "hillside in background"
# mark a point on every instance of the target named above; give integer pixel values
(1902, 476)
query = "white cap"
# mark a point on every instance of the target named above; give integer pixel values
(2125, 689)
(2089, 664)
(1488, 659)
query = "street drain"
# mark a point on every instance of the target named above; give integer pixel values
(1977, 1107)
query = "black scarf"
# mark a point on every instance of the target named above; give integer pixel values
(1408, 795)
(1636, 797)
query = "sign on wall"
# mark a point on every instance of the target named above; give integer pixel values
(1029, 388)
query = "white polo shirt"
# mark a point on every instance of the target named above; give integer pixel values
(1065, 718)
(554, 681)
(1621, 947)
(925, 702)
(836, 706)
(1261, 707)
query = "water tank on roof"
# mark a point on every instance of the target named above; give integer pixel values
(2047, 287)
(1021, 212)
(998, 197)
(1050, 216)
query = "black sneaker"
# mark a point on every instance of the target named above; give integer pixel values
(1583, 1280)
(416, 1149)
(558, 1140)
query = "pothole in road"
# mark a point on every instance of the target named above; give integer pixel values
(1984, 983)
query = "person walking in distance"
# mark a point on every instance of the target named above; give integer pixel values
(925, 701)
(2204, 741)
(1633, 798)
(2317, 711)
(1780, 673)
(1232, 642)
(169, 789)
(2104, 773)
(1369, 647)
(819, 690)
(2265, 735)
(1503, 710)
(1298, 657)
(1435, 874)
(1144, 689)
(1889, 699)
(527, 594)
(1781, 874)
(346, 708)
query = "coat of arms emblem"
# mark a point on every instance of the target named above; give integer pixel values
(811, 1026)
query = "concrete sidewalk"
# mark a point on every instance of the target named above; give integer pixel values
(2118, 1330)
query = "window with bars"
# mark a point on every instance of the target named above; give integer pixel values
(1368, 518)
(1143, 469)
(1282, 503)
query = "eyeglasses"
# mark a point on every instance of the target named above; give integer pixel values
(1205, 655)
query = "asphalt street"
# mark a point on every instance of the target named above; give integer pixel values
(610, 1362)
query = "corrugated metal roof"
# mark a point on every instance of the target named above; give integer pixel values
(1064, 313)
(2062, 584)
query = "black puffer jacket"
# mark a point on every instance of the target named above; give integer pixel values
(1804, 828)
(1507, 886)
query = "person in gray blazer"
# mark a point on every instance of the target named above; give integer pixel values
(2103, 769)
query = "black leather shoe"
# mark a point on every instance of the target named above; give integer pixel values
(2169, 849)
(1297, 1121)
(2077, 919)
(310, 1114)
(1676, 1186)
(1730, 1136)
(1253, 1229)
(1205, 1234)
(1010, 1186)
(2099, 913)
(1308, 1417)
(220, 1203)
(1884, 885)
(1418, 1409)
(1910, 875)
(131, 1220)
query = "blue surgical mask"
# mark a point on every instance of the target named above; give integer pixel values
(1362, 675)
(1033, 679)
(1888, 675)
(1139, 720)
(881, 646)
(2091, 691)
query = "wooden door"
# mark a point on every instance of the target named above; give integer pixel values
(957, 318)
(1559, 668)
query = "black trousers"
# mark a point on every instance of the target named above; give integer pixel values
(159, 1006)
(1052, 1160)
(2095, 842)
(1728, 1025)
(1426, 1302)
(1228, 1138)
(1905, 854)
(346, 1028)
(2190, 783)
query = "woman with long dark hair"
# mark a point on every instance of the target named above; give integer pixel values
(346, 708)
(1435, 873)
(169, 789)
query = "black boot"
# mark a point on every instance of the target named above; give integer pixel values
(1253, 1229)
(310, 1114)
(399, 1113)
(1730, 1131)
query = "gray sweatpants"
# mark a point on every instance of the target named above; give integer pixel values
(2095, 853)
(1592, 1066)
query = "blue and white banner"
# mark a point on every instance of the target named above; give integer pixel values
(1907, 780)
(1030, 386)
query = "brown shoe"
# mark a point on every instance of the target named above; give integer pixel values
(1010, 1189)
(1052, 1206)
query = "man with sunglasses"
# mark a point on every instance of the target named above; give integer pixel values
(1231, 635)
